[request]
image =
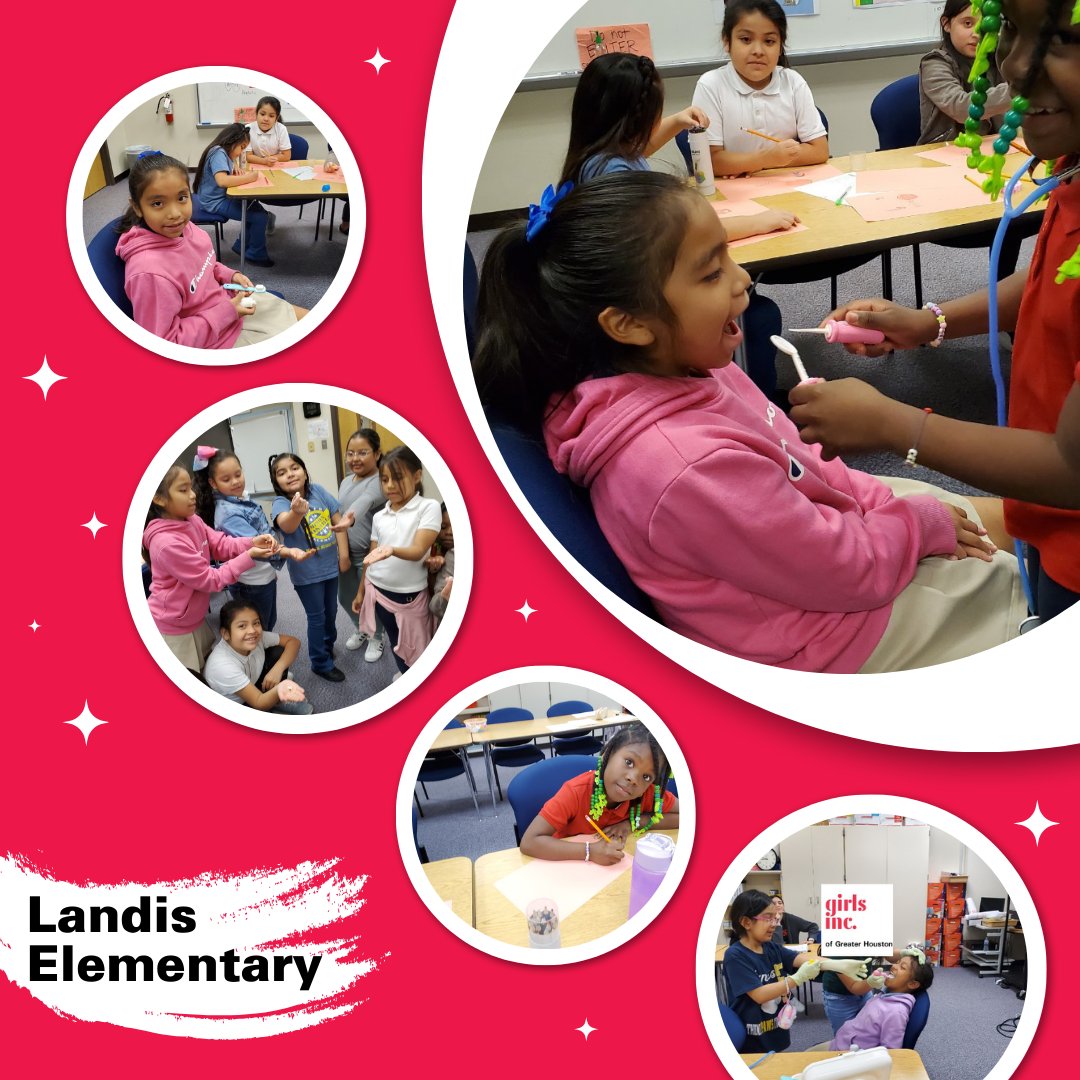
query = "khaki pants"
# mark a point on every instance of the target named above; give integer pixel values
(272, 315)
(192, 649)
(951, 609)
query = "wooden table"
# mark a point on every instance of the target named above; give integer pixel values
(539, 728)
(907, 1065)
(839, 231)
(452, 879)
(502, 920)
(284, 186)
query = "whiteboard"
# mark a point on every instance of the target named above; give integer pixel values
(684, 31)
(217, 101)
(257, 435)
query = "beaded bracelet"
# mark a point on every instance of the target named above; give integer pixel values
(942, 325)
(587, 846)
(913, 453)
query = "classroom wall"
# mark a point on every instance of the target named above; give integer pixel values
(538, 696)
(183, 139)
(530, 142)
(949, 855)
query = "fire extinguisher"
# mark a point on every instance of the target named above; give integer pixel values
(165, 105)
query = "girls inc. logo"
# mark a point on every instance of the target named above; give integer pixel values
(856, 918)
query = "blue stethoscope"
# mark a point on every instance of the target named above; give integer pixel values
(1043, 188)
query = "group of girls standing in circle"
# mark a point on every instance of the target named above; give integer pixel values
(368, 551)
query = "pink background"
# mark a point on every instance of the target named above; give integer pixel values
(169, 790)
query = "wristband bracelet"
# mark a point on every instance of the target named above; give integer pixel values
(913, 453)
(588, 844)
(942, 325)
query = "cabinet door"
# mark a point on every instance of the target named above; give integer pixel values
(866, 859)
(827, 844)
(797, 878)
(908, 852)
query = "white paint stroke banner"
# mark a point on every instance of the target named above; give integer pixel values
(217, 956)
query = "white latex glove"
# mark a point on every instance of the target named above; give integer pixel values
(876, 981)
(853, 969)
(806, 972)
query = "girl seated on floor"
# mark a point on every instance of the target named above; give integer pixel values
(626, 794)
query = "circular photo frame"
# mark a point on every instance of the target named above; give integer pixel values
(191, 81)
(500, 923)
(287, 402)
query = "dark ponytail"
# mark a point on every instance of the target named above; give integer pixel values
(609, 243)
(618, 102)
(227, 138)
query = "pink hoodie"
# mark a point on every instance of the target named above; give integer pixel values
(744, 538)
(174, 287)
(183, 579)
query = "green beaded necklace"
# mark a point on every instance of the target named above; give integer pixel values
(992, 165)
(598, 804)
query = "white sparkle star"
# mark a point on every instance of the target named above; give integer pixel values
(86, 721)
(586, 1029)
(35, 626)
(377, 61)
(45, 377)
(1038, 823)
(525, 611)
(95, 525)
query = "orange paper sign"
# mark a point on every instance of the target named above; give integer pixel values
(594, 41)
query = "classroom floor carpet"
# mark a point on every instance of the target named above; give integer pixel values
(304, 267)
(361, 678)
(959, 1042)
(954, 380)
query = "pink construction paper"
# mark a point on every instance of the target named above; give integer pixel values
(633, 38)
(758, 187)
(889, 205)
(953, 155)
(904, 180)
(261, 180)
(569, 884)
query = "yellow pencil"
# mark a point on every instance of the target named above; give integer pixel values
(1020, 146)
(761, 135)
(599, 830)
(972, 180)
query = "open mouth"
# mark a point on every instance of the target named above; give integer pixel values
(732, 334)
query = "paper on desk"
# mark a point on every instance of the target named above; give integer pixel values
(569, 884)
(261, 180)
(301, 172)
(887, 205)
(759, 187)
(951, 154)
(830, 188)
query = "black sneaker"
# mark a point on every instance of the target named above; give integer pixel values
(333, 675)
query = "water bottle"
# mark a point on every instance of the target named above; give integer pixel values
(652, 857)
(701, 156)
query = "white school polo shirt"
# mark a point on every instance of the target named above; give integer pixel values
(228, 672)
(269, 142)
(397, 528)
(784, 109)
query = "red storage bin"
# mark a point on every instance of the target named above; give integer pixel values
(955, 908)
(933, 928)
(934, 908)
(953, 927)
(954, 890)
(935, 891)
(950, 958)
(933, 954)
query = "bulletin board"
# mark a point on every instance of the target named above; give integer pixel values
(218, 100)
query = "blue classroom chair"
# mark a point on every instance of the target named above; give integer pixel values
(201, 216)
(108, 267)
(733, 1026)
(516, 752)
(529, 790)
(920, 1013)
(573, 744)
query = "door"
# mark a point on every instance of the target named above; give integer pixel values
(908, 852)
(797, 875)
(95, 181)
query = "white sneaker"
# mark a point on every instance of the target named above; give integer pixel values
(799, 1006)
(374, 649)
(356, 641)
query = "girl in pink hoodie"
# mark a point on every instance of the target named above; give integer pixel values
(173, 278)
(179, 547)
(607, 326)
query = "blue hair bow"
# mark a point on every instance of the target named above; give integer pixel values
(149, 153)
(538, 215)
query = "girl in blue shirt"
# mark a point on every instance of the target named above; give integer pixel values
(306, 513)
(221, 167)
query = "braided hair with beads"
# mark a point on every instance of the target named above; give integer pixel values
(635, 732)
(992, 165)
